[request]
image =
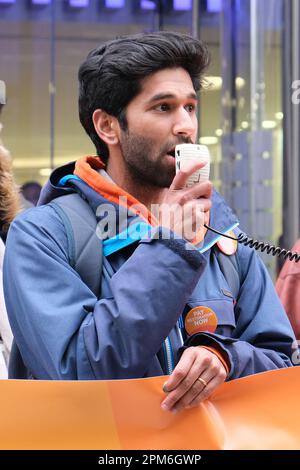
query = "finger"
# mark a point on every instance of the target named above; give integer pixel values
(186, 391)
(181, 370)
(206, 392)
(198, 190)
(182, 175)
(203, 204)
(193, 216)
(198, 388)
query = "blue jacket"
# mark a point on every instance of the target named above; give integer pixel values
(137, 328)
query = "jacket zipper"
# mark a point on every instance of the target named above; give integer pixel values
(168, 356)
(168, 351)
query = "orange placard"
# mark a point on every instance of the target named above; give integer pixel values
(256, 412)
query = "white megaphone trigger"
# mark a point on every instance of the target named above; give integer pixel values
(187, 153)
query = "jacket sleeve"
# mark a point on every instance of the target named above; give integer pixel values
(63, 331)
(263, 338)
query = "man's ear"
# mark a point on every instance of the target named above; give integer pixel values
(106, 126)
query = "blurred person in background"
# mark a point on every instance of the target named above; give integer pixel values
(288, 289)
(31, 191)
(9, 206)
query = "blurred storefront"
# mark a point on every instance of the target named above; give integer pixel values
(42, 43)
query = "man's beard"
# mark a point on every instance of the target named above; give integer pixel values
(145, 162)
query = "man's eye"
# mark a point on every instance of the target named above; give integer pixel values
(190, 108)
(163, 107)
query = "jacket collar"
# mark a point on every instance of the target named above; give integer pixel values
(95, 188)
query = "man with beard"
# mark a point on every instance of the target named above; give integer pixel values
(164, 307)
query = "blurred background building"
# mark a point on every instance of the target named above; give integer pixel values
(248, 114)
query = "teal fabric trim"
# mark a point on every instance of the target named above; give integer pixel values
(140, 230)
(214, 241)
(63, 181)
(132, 234)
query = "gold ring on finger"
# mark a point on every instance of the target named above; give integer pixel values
(204, 383)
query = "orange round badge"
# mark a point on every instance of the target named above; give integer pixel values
(227, 246)
(200, 319)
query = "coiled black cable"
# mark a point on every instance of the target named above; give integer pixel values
(259, 245)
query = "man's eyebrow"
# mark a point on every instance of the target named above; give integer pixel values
(168, 96)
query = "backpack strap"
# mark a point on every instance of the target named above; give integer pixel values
(85, 255)
(85, 248)
(230, 270)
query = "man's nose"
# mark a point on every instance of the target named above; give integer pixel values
(185, 123)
